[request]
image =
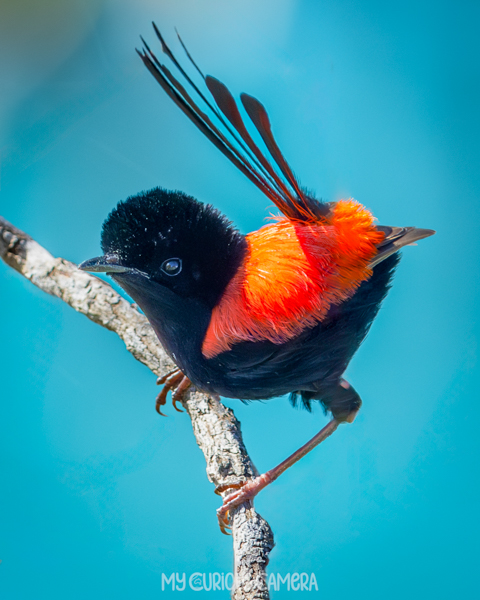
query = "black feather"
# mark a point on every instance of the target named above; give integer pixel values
(153, 226)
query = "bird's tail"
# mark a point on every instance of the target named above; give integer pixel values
(396, 238)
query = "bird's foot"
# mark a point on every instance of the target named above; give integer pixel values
(250, 489)
(247, 492)
(175, 381)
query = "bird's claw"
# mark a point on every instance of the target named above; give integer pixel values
(224, 523)
(246, 493)
(177, 382)
(177, 394)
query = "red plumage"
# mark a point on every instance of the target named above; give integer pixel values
(293, 272)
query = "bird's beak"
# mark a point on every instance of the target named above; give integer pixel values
(110, 263)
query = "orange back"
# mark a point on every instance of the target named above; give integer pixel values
(294, 271)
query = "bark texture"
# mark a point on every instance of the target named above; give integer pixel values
(216, 429)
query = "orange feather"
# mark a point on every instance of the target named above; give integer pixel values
(293, 272)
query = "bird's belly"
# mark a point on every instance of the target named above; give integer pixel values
(258, 390)
(263, 370)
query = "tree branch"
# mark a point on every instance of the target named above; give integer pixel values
(216, 429)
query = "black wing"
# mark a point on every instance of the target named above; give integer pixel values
(231, 136)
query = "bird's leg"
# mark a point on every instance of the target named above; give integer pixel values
(250, 489)
(177, 382)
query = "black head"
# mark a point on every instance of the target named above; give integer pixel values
(173, 240)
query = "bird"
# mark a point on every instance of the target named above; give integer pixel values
(281, 310)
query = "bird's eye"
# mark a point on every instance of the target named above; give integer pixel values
(172, 266)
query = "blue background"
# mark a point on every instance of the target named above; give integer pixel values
(374, 100)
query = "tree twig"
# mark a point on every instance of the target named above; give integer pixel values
(216, 429)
